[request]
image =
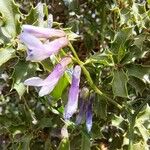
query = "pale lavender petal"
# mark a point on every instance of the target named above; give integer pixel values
(36, 50)
(89, 113)
(41, 32)
(48, 84)
(72, 104)
(54, 46)
(46, 89)
(34, 81)
(58, 71)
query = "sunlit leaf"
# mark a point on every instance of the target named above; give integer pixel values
(119, 83)
(6, 54)
(64, 144)
(21, 72)
(138, 71)
(10, 15)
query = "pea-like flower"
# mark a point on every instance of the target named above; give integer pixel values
(72, 104)
(48, 84)
(85, 109)
(41, 32)
(37, 50)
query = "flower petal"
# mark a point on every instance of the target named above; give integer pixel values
(41, 32)
(84, 95)
(34, 81)
(36, 50)
(50, 82)
(72, 104)
(48, 88)
(81, 112)
(55, 45)
(89, 113)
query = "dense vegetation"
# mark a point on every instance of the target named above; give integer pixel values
(110, 41)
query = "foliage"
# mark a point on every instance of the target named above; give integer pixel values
(113, 52)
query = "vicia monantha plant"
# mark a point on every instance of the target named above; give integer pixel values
(83, 83)
(52, 41)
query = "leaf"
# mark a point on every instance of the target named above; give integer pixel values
(120, 39)
(138, 71)
(60, 87)
(9, 13)
(6, 54)
(32, 16)
(138, 41)
(45, 122)
(21, 72)
(119, 83)
(101, 58)
(85, 142)
(64, 144)
(119, 44)
(144, 132)
(139, 146)
(100, 107)
(138, 84)
(26, 142)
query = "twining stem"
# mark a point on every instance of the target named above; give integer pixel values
(89, 79)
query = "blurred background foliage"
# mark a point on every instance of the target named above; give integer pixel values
(114, 45)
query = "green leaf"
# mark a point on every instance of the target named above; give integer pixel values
(144, 132)
(118, 45)
(64, 144)
(85, 142)
(139, 146)
(138, 41)
(119, 83)
(26, 142)
(101, 58)
(10, 17)
(21, 72)
(32, 16)
(120, 39)
(138, 84)
(6, 54)
(60, 87)
(45, 122)
(100, 107)
(138, 71)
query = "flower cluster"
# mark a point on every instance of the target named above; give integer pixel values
(52, 40)
(41, 44)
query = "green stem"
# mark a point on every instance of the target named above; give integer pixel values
(89, 79)
(131, 132)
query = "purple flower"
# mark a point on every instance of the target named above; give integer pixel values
(84, 94)
(37, 50)
(89, 113)
(85, 109)
(72, 104)
(48, 84)
(41, 32)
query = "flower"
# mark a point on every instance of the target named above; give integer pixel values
(72, 104)
(89, 113)
(48, 84)
(85, 109)
(38, 51)
(84, 94)
(41, 32)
